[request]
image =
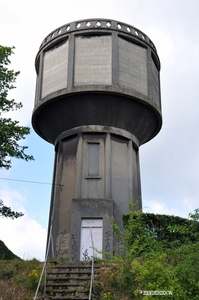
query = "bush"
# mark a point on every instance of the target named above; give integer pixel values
(154, 273)
(160, 253)
(170, 231)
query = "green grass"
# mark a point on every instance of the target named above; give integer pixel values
(19, 279)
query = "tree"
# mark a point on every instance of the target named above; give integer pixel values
(10, 131)
(8, 212)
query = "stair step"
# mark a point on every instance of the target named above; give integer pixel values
(71, 266)
(69, 281)
(69, 272)
(68, 297)
(67, 292)
(67, 287)
(68, 275)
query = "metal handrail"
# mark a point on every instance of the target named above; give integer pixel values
(45, 262)
(92, 268)
(44, 266)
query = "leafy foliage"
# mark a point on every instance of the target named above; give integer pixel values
(169, 231)
(160, 254)
(8, 212)
(10, 131)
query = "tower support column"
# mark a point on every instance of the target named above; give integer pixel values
(98, 172)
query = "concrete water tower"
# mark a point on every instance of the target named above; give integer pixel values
(97, 100)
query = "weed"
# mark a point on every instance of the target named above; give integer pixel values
(19, 279)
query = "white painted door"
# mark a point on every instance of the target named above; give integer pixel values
(91, 239)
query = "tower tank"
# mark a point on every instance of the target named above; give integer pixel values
(97, 100)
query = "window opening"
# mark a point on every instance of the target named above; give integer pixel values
(93, 159)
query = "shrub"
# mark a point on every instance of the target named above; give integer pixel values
(169, 231)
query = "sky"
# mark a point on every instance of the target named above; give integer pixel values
(169, 163)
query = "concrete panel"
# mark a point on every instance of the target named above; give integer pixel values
(132, 66)
(92, 60)
(90, 209)
(136, 184)
(55, 67)
(119, 177)
(66, 175)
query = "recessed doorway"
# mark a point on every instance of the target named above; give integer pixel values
(91, 239)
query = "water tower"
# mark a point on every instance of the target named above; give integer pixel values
(97, 100)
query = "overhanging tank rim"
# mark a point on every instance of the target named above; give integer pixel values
(42, 106)
(99, 89)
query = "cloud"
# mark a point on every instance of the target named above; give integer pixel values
(160, 206)
(24, 236)
(155, 206)
(164, 44)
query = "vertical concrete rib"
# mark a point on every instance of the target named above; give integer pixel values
(139, 182)
(39, 79)
(130, 170)
(115, 59)
(71, 55)
(108, 166)
(78, 188)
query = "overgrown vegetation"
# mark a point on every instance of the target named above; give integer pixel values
(155, 253)
(160, 255)
(19, 279)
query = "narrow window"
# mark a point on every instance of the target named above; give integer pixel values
(93, 159)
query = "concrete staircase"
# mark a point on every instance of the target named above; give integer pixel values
(68, 281)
